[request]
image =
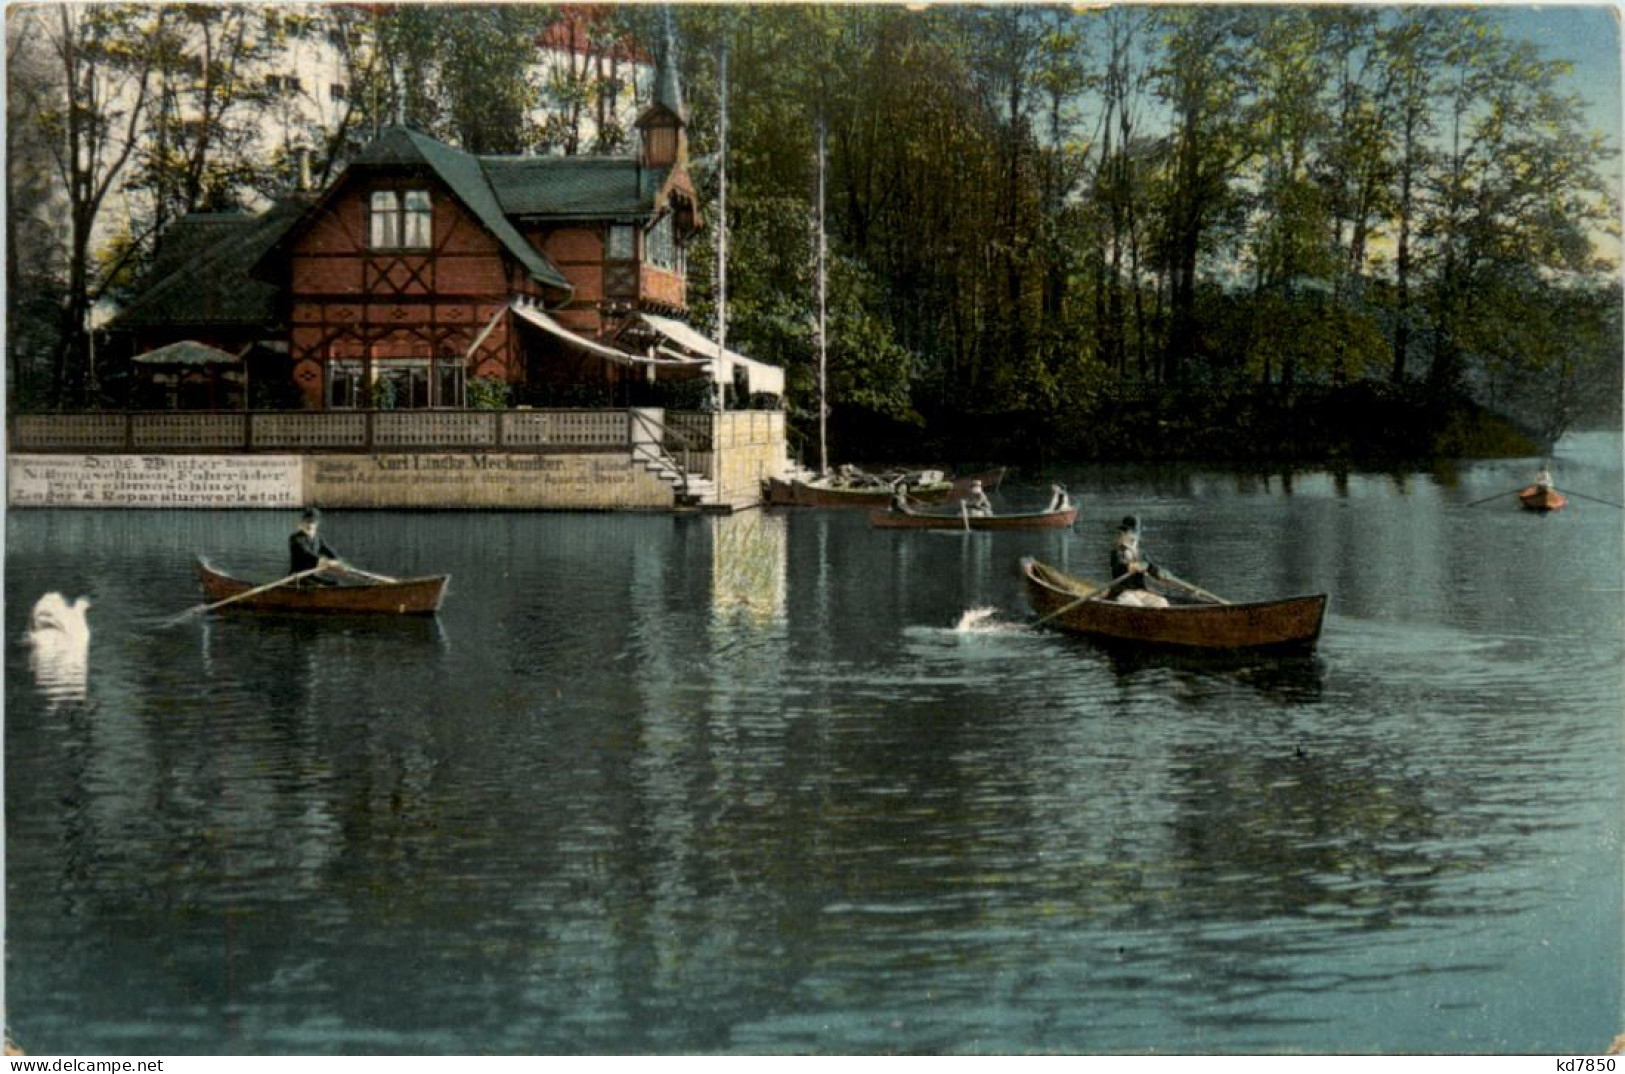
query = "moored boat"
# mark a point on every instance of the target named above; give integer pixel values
(948, 519)
(1075, 605)
(407, 596)
(859, 489)
(1541, 498)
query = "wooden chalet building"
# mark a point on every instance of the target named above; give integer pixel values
(422, 268)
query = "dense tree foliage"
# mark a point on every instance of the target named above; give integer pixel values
(1031, 210)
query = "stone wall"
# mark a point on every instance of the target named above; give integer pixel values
(449, 481)
(582, 482)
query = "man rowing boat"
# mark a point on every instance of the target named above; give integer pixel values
(1131, 565)
(307, 551)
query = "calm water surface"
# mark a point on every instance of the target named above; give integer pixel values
(778, 783)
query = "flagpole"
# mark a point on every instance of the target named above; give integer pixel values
(823, 312)
(724, 374)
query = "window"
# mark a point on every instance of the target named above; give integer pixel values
(661, 244)
(397, 384)
(415, 222)
(335, 91)
(344, 385)
(622, 246)
(400, 219)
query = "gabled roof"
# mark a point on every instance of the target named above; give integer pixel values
(579, 187)
(201, 272)
(188, 352)
(399, 147)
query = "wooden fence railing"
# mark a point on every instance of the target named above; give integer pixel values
(300, 432)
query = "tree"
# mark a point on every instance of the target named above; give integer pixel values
(89, 118)
(1202, 79)
(1515, 194)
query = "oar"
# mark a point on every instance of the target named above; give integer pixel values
(964, 513)
(200, 608)
(1199, 591)
(366, 574)
(1096, 595)
(1593, 499)
(1497, 496)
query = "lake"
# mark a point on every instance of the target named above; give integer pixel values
(778, 783)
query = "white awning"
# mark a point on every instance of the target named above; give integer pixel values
(762, 378)
(540, 319)
(548, 324)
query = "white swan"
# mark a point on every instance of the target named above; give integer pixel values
(59, 640)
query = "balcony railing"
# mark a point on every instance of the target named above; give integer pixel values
(338, 431)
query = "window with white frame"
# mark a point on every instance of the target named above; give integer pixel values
(661, 244)
(399, 220)
(397, 384)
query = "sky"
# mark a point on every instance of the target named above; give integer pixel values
(1589, 36)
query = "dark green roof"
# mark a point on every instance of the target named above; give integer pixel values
(203, 272)
(578, 187)
(399, 147)
(200, 274)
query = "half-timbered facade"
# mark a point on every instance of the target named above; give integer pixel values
(422, 270)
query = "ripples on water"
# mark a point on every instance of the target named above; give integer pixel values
(780, 783)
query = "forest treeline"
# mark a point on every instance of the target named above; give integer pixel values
(1048, 229)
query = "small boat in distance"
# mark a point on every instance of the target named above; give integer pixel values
(854, 488)
(942, 518)
(1542, 498)
(1192, 623)
(407, 596)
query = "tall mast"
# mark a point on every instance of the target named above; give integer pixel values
(724, 374)
(823, 309)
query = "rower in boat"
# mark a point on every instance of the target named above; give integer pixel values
(308, 551)
(1131, 565)
(977, 505)
(1058, 499)
(899, 499)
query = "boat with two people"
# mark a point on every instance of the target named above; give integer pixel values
(851, 487)
(1061, 513)
(1191, 618)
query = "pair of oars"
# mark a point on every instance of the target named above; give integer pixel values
(1100, 594)
(1516, 491)
(200, 609)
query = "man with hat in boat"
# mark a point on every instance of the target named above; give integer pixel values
(308, 551)
(1130, 566)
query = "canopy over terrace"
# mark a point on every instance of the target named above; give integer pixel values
(654, 365)
(687, 344)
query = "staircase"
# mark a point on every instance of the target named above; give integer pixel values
(692, 490)
(649, 437)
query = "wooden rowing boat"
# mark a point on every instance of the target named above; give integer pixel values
(1075, 605)
(1541, 498)
(948, 519)
(873, 490)
(408, 596)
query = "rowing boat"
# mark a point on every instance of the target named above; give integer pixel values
(408, 596)
(944, 519)
(1192, 623)
(1542, 498)
(873, 490)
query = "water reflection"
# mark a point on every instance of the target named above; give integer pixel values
(1306, 832)
(750, 565)
(58, 642)
(1296, 679)
(778, 782)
